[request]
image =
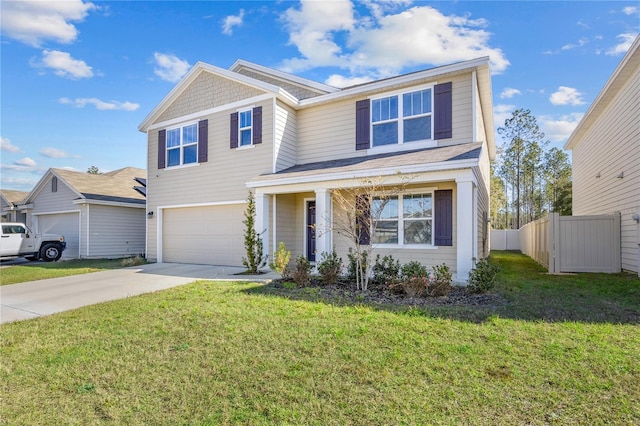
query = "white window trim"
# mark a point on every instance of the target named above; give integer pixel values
(248, 109)
(401, 244)
(181, 146)
(419, 144)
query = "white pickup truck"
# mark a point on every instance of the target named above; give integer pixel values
(17, 240)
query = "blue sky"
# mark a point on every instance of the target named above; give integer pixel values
(78, 77)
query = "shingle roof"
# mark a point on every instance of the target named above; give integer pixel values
(117, 185)
(14, 197)
(379, 161)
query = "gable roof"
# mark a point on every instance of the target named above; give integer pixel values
(116, 186)
(12, 197)
(628, 66)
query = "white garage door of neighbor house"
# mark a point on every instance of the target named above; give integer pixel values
(204, 235)
(65, 224)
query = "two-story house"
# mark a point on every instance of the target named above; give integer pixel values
(292, 142)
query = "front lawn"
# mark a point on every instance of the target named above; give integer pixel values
(243, 353)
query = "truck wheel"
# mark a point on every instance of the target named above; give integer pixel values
(50, 252)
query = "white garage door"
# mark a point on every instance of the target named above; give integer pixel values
(204, 235)
(65, 224)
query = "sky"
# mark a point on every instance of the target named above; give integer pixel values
(78, 77)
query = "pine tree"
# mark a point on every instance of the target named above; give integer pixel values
(252, 242)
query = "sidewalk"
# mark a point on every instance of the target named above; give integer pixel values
(38, 298)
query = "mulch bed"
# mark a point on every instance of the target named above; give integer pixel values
(380, 295)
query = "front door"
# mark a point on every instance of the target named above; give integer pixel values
(311, 231)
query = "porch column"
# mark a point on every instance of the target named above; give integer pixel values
(465, 217)
(262, 220)
(323, 222)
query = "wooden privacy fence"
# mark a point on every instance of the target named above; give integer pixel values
(573, 243)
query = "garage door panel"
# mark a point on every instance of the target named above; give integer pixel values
(65, 224)
(204, 235)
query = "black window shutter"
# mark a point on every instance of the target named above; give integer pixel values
(442, 111)
(234, 130)
(257, 125)
(443, 207)
(363, 219)
(162, 147)
(203, 141)
(363, 124)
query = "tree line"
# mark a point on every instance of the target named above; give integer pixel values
(528, 181)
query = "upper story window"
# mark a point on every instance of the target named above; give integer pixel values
(402, 118)
(182, 145)
(245, 127)
(54, 184)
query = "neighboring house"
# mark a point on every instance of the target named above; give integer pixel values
(606, 156)
(291, 141)
(9, 200)
(100, 215)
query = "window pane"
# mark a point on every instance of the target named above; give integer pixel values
(190, 154)
(190, 134)
(245, 119)
(417, 232)
(416, 103)
(385, 134)
(417, 129)
(384, 109)
(173, 157)
(245, 137)
(426, 101)
(416, 206)
(385, 209)
(386, 232)
(173, 137)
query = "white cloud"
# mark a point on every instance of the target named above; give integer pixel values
(623, 46)
(19, 183)
(26, 162)
(384, 43)
(232, 21)
(571, 46)
(6, 145)
(630, 10)
(34, 22)
(64, 65)
(501, 112)
(169, 67)
(509, 93)
(566, 96)
(559, 129)
(100, 105)
(337, 80)
(56, 153)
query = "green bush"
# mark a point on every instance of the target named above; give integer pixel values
(330, 267)
(440, 281)
(281, 259)
(386, 269)
(302, 272)
(482, 277)
(413, 269)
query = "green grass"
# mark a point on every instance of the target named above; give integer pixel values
(235, 353)
(33, 271)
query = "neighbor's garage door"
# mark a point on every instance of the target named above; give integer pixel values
(65, 224)
(204, 235)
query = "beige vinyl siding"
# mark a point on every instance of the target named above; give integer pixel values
(113, 231)
(221, 179)
(285, 137)
(478, 120)
(207, 91)
(286, 229)
(612, 146)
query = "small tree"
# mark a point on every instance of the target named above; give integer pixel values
(93, 170)
(252, 242)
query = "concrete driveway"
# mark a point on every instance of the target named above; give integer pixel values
(38, 298)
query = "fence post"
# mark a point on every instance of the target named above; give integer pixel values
(553, 243)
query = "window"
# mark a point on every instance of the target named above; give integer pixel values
(404, 220)
(182, 145)
(54, 184)
(245, 129)
(395, 122)
(13, 229)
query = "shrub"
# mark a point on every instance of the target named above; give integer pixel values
(352, 268)
(252, 240)
(440, 281)
(281, 259)
(482, 277)
(386, 269)
(413, 280)
(330, 267)
(134, 261)
(413, 269)
(302, 272)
